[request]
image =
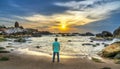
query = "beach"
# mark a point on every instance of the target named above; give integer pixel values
(23, 61)
(36, 53)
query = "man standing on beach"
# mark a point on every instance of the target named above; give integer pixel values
(56, 49)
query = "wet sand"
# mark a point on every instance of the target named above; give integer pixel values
(22, 61)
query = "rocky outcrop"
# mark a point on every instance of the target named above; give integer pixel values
(116, 33)
(112, 51)
(16, 24)
(105, 34)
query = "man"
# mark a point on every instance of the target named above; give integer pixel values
(56, 49)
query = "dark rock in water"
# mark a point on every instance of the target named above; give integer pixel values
(106, 68)
(29, 42)
(69, 40)
(97, 39)
(8, 46)
(4, 52)
(38, 46)
(117, 56)
(12, 49)
(4, 58)
(98, 44)
(94, 45)
(86, 44)
(9, 43)
(36, 35)
(20, 40)
(2, 48)
(105, 45)
(91, 41)
(116, 33)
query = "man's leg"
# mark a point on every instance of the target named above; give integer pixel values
(53, 57)
(58, 58)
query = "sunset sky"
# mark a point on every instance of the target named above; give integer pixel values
(62, 15)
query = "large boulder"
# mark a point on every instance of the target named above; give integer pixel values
(116, 33)
(107, 34)
(112, 50)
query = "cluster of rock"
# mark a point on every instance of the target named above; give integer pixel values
(75, 34)
(11, 30)
(20, 31)
(104, 34)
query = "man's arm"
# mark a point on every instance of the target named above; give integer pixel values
(59, 46)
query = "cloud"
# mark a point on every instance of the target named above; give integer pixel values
(79, 13)
(90, 10)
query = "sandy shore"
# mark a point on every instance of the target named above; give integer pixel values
(44, 62)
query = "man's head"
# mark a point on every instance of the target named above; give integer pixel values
(56, 39)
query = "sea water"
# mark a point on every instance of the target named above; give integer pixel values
(70, 46)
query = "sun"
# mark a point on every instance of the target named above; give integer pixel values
(63, 27)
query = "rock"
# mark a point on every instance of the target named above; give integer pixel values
(38, 46)
(20, 40)
(117, 56)
(69, 40)
(2, 39)
(97, 60)
(4, 52)
(97, 39)
(12, 49)
(8, 46)
(112, 50)
(99, 35)
(94, 45)
(4, 58)
(16, 24)
(105, 45)
(104, 34)
(89, 34)
(107, 34)
(106, 68)
(86, 44)
(9, 43)
(36, 35)
(118, 62)
(98, 44)
(91, 41)
(116, 33)
(2, 48)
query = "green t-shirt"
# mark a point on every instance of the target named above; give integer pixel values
(56, 46)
